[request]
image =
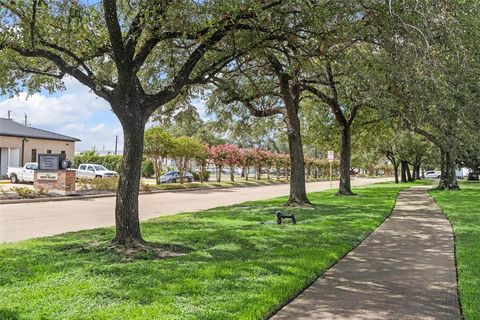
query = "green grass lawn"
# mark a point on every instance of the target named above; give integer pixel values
(463, 210)
(240, 265)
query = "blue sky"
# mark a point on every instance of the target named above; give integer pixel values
(74, 112)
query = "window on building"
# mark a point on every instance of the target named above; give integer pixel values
(49, 151)
(34, 155)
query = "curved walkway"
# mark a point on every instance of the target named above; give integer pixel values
(403, 270)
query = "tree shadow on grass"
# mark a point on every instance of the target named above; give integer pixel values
(226, 251)
(7, 314)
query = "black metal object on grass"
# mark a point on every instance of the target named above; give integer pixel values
(281, 216)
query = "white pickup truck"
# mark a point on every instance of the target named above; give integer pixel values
(22, 174)
(93, 171)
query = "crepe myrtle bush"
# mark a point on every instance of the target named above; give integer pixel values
(245, 160)
(219, 155)
(260, 159)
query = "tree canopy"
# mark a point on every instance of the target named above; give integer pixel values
(319, 75)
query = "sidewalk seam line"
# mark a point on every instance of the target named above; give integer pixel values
(454, 254)
(318, 276)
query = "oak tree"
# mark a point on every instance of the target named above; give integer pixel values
(136, 55)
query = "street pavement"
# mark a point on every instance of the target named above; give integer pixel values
(31, 220)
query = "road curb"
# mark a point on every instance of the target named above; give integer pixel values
(110, 195)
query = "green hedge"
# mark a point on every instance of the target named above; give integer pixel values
(147, 169)
(111, 161)
(196, 176)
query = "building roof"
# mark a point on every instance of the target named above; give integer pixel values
(11, 128)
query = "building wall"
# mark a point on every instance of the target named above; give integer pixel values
(41, 145)
(15, 145)
(5, 154)
(10, 142)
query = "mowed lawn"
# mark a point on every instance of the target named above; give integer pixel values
(463, 210)
(239, 264)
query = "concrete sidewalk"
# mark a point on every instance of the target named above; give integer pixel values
(404, 270)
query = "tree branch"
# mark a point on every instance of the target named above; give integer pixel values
(137, 26)
(254, 111)
(80, 61)
(171, 91)
(152, 42)
(115, 33)
(32, 23)
(64, 67)
(134, 33)
(353, 113)
(41, 72)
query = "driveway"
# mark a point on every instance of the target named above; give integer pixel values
(31, 220)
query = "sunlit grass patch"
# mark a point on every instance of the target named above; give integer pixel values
(240, 263)
(463, 210)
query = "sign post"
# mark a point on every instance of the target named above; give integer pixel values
(330, 157)
(54, 175)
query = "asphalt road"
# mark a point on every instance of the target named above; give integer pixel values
(31, 220)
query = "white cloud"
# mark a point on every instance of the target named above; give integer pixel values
(74, 112)
(75, 104)
(100, 136)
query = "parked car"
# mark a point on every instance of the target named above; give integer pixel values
(174, 176)
(92, 171)
(459, 174)
(432, 174)
(22, 174)
(473, 176)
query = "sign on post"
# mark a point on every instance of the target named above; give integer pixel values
(330, 157)
(48, 162)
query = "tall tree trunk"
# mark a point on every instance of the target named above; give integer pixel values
(395, 170)
(345, 188)
(181, 170)
(219, 174)
(232, 171)
(415, 171)
(298, 193)
(247, 172)
(202, 172)
(409, 174)
(403, 169)
(419, 177)
(127, 222)
(448, 179)
(156, 168)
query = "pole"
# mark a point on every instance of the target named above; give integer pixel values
(116, 143)
(331, 186)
